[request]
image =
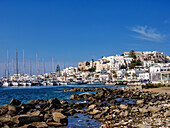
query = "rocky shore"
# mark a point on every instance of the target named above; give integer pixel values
(122, 107)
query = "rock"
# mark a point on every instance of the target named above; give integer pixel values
(92, 106)
(3, 109)
(5, 118)
(153, 109)
(55, 124)
(39, 124)
(26, 119)
(15, 102)
(73, 96)
(13, 109)
(98, 116)
(34, 102)
(167, 113)
(122, 106)
(143, 110)
(36, 113)
(139, 101)
(94, 112)
(54, 101)
(82, 90)
(59, 118)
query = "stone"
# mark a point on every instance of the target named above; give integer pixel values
(36, 113)
(139, 101)
(153, 109)
(55, 124)
(15, 102)
(59, 117)
(26, 119)
(34, 102)
(167, 113)
(54, 101)
(122, 106)
(5, 118)
(73, 96)
(39, 124)
(94, 112)
(92, 106)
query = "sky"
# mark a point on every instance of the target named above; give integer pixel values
(70, 31)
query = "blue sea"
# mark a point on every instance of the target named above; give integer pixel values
(25, 94)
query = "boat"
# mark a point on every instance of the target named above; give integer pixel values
(95, 83)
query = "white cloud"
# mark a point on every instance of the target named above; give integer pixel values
(146, 33)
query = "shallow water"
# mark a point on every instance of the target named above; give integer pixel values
(25, 94)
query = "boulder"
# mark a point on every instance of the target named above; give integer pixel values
(167, 113)
(92, 106)
(59, 118)
(73, 96)
(15, 102)
(54, 101)
(139, 101)
(55, 124)
(5, 118)
(122, 106)
(26, 119)
(153, 109)
(94, 112)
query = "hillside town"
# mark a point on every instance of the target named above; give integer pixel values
(132, 68)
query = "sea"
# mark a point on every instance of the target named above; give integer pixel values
(25, 94)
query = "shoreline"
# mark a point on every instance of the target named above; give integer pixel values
(134, 106)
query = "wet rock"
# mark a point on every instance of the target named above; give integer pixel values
(59, 118)
(74, 96)
(15, 102)
(26, 119)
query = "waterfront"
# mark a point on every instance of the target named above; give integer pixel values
(25, 94)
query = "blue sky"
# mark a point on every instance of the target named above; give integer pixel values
(76, 30)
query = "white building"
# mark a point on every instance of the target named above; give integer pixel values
(144, 76)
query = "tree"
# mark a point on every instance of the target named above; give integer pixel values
(126, 75)
(92, 69)
(113, 72)
(123, 67)
(132, 65)
(58, 68)
(134, 75)
(115, 75)
(132, 54)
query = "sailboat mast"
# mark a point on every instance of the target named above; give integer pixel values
(23, 62)
(37, 64)
(16, 62)
(30, 68)
(44, 66)
(52, 64)
(7, 65)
